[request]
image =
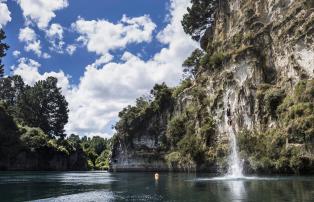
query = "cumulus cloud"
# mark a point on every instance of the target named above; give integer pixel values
(102, 36)
(5, 14)
(106, 87)
(55, 37)
(28, 69)
(29, 36)
(32, 43)
(55, 31)
(16, 53)
(41, 12)
(70, 49)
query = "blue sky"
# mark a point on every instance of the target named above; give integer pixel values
(104, 53)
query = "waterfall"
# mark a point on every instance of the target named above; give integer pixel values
(234, 161)
(235, 164)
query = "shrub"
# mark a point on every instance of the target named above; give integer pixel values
(180, 88)
(34, 138)
(217, 58)
(273, 98)
(193, 146)
(102, 162)
(176, 160)
(58, 146)
(297, 113)
(176, 129)
(173, 159)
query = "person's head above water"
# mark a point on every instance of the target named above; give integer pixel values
(156, 176)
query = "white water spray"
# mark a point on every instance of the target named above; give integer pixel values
(235, 163)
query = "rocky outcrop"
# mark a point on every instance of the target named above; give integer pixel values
(252, 44)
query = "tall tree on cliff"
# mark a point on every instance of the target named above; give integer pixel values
(193, 63)
(199, 17)
(3, 47)
(44, 106)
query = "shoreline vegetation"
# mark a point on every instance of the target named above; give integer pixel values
(182, 129)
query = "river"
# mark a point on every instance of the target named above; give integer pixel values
(103, 186)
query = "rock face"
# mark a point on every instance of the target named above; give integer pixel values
(142, 152)
(262, 43)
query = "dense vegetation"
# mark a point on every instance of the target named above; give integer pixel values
(289, 147)
(32, 120)
(181, 144)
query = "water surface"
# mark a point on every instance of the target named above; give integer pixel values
(102, 186)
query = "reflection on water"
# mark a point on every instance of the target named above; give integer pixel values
(237, 190)
(102, 186)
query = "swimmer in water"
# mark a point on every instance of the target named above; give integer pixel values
(156, 176)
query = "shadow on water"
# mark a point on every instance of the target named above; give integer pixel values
(102, 186)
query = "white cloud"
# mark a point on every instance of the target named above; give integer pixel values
(28, 69)
(41, 11)
(102, 36)
(106, 87)
(5, 14)
(46, 55)
(55, 37)
(34, 46)
(102, 60)
(70, 49)
(16, 53)
(29, 36)
(55, 31)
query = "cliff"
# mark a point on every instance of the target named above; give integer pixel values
(255, 80)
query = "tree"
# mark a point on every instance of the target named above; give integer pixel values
(192, 64)
(74, 140)
(10, 89)
(3, 48)
(45, 107)
(162, 96)
(199, 17)
(8, 129)
(99, 144)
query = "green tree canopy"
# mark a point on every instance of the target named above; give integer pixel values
(3, 48)
(10, 89)
(199, 17)
(192, 64)
(45, 107)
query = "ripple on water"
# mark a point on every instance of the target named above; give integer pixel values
(254, 178)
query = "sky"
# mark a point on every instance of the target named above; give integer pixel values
(105, 53)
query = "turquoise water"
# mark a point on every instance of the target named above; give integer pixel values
(102, 186)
